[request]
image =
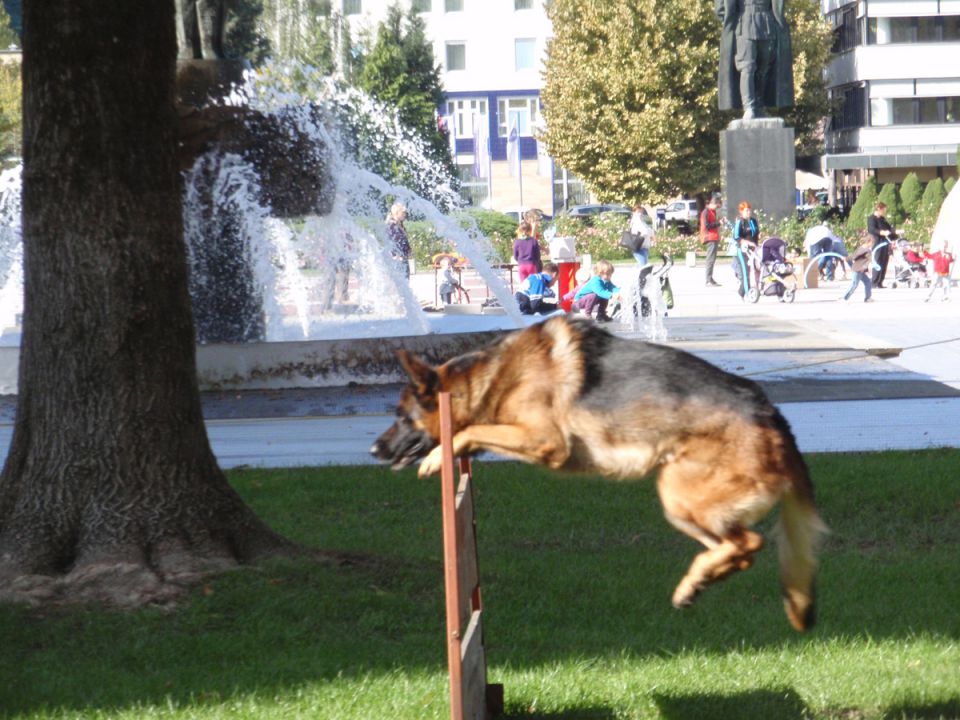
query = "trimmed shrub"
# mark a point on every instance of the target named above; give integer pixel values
(910, 193)
(866, 201)
(891, 198)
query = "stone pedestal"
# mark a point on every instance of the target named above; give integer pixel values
(757, 164)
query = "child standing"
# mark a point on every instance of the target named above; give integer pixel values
(597, 291)
(526, 251)
(941, 268)
(448, 283)
(535, 294)
(860, 264)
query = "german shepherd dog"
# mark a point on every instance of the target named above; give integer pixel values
(571, 396)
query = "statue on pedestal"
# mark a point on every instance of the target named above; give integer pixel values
(756, 59)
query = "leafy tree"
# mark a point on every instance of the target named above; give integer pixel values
(8, 36)
(11, 104)
(630, 93)
(948, 185)
(110, 490)
(910, 193)
(864, 205)
(891, 198)
(243, 38)
(400, 70)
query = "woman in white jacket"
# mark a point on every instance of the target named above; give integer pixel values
(640, 228)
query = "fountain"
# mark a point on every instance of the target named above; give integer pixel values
(279, 197)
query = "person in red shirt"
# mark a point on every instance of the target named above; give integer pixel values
(710, 234)
(941, 268)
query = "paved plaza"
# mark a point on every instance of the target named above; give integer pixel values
(848, 376)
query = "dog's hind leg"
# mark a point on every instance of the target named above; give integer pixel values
(703, 503)
(734, 552)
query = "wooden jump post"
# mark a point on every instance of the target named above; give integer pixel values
(471, 698)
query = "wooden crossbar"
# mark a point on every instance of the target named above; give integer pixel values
(471, 698)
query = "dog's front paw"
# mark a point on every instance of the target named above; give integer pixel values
(431, 463)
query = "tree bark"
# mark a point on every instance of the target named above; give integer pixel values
(110, 490)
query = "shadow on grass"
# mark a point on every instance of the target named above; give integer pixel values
(576, 714)
(783, 704)
(949, 710)
(571, 568)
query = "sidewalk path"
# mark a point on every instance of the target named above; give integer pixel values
(811, 357)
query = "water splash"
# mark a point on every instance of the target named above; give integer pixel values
(374, 161)
(11, 255)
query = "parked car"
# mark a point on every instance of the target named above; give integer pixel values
(588, 212)
(682, 211)
(518, 213)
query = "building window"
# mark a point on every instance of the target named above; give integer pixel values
(951, 28)
(951, 108)
(523, 4)
(351, 7)
(914, 111)
(466, 114)
(456, 56)
(523, 111)
(847, 30)
(453, 5)
(422, 5)
(524, 53)
(851, 112)
(904, 30)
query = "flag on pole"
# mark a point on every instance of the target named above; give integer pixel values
(448, 123)
(481, 146)
(513, 148)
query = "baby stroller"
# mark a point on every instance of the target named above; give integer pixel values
(640, 305)
(775, 271)
(911, 274)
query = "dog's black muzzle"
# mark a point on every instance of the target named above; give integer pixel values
(401, 445)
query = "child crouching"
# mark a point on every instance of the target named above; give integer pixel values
(597, 291)
(536, 294)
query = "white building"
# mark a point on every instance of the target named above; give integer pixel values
(491, 53)
(896, 75)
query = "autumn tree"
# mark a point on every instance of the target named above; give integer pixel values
(110, 489)
(630, 93)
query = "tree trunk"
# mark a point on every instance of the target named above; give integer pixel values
(110, 490)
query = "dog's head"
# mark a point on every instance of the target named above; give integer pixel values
(416, 430)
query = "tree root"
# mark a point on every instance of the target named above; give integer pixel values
(132, 585)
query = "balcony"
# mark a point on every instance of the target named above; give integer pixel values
(880, 147)
(894, 62)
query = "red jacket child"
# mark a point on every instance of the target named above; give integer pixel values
(941, 261)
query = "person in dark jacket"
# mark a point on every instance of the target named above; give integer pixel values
(746, 235)
(882, 233)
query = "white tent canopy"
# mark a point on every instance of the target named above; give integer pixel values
(810, 181)
(947, 230)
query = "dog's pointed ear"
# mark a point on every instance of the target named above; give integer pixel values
(423, 376)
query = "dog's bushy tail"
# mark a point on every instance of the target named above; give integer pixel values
(800, 530)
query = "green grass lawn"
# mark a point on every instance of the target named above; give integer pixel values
(577, 575)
